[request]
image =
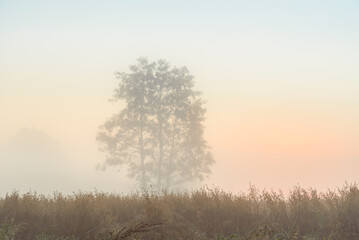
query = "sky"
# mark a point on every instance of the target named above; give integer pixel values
(281, 80)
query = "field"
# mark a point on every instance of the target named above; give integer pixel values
(202, 214)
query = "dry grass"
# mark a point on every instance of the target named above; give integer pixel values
(202, 214)
(131, 231)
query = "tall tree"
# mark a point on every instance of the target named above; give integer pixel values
(159, 133)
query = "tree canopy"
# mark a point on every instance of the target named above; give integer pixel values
(158, 135)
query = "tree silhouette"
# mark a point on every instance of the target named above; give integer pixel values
(158, 135)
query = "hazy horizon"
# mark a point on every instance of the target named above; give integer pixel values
(280, 78)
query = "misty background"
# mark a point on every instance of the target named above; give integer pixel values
(280, 79)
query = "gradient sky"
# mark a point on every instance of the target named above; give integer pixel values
(281, 80)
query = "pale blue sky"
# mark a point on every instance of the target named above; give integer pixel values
(288, 18)
(281, 78)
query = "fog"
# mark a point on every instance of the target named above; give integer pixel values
(33, 161)
(280, 81)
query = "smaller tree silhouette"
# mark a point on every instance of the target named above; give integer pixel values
(159, 133)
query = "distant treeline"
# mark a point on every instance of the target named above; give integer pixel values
(201, 214)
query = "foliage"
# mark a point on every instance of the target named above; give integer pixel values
(202, 214)
(9, 230)
(158, 135)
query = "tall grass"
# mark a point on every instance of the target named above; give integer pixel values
(201, 214)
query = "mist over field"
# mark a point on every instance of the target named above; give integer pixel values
(279, 81)
(179, 120)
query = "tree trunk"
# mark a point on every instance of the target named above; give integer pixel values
(143, 172)
(169, 169)
(160, 157)
(142, 155)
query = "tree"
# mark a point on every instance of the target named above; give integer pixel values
(158, 135)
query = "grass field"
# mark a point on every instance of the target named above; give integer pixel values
(201, 214)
